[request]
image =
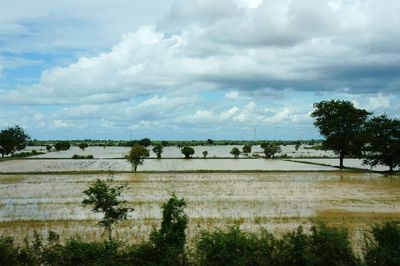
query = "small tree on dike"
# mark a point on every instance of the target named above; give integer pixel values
(205, 153)
(83, 146)
(106, 199)
(158, 149)
(235, 152)
(270, 149)
(187, 151)
(136, 155)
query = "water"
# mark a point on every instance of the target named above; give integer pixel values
(276, 201)
(59, 165)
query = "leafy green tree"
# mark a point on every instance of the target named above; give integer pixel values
(341, 124)
(383, 138)
(247, 148)
(205, 153)
(137, 154)
(106, 199)
(210, 142)
(83, 146)
(48, 148)
(62, 146)
(235, 152)
(158, 149)
(187, 151)
(270, 149)
(12, 139)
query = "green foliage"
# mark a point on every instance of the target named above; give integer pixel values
(83, 145)
(12, 139)
(187, 151)
(48, 147)
(341, 124)
(235, 152)
(158, 149)
(383, 249)
(247, 148)
(270, 149)
(62, 146)
(205, 153)
(8, 252)
(383, 138)
(235, 247)
(106, 199)
(136, 155)
(166, 245)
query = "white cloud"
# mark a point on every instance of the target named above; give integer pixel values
(232, 95)
(377, 102)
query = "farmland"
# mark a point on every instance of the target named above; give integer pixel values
(278, 195)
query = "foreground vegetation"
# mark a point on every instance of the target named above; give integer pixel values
(166, 246)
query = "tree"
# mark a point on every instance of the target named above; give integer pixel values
(48, 148)
(210, 142)
(187, 151)
(247, 148)
(136, 155)
(297, 146)
(205, 153)
(106, 199)
(158, 149)
(12, 139)
(62, 146)
(341, 124)
(235, 152)
(83, 146)
(270, 149)
(170, 239)
(383, 142)
(145, 142)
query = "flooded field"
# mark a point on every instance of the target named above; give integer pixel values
(62, 165)
(353, 163)
(174, 152)
(276, 201)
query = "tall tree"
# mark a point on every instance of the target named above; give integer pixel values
(136, 155)
(12, 139)
(383, 142)
(340, 122)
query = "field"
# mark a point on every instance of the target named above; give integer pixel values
(284, 194)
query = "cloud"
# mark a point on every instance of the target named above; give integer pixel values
(232, 95)
(184, 66)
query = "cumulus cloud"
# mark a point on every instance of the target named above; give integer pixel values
(166, 72)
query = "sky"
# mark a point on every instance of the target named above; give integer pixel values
(193, 69)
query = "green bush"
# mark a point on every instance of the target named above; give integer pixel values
(384, 246)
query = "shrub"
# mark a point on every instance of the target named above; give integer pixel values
(384, 246)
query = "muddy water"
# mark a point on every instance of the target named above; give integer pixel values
(60, 165)
(276, 201)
